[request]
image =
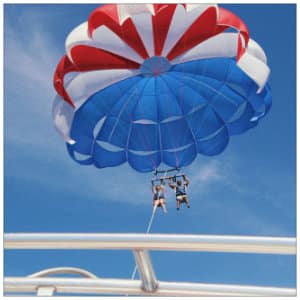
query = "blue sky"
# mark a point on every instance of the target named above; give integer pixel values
(250, 189)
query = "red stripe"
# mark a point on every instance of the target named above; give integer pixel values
(161, 22)
(229, 19)
(203, 28)
(87, 58)
(91, 58)
(206, 26)
(108, 15)
(64, 66)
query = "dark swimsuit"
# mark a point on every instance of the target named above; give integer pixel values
(158, 195)
(180, 191)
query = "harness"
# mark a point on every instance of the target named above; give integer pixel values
(158, 195)
(180, 190)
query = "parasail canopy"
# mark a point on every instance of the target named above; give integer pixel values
(158, 83)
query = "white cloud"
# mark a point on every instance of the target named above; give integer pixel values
(219, 172)
(209, 172)
(30, 58)
(29, 51)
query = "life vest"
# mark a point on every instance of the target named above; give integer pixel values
(158, 195)
(180, 190)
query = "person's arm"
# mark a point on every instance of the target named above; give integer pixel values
(162, 185)
(153, 187)
(186, 180)
(172, 186)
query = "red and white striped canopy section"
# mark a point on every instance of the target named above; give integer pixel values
(118, 38)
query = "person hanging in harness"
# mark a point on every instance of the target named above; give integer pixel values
(180, 190)
(158, 192)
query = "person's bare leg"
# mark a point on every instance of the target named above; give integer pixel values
(163, 205)
(185, 198)
(177, 204)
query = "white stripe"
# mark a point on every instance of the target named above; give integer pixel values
(102, 38)
(106, 39)
(80, 88)
(221, 45)
(255, 50)
(126, 11)
(143, 24)
(63, 114)
(87, 83)
(243, 41)
(141, 16)
(255, 69)
(182, 19)
(79, 35)
(253, 61)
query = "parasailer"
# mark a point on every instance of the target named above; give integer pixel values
(180, 189)
(157, 84)
(159, 199)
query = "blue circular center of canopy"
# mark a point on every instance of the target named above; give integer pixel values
(155, 66)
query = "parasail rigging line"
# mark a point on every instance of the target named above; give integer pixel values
(147, 231)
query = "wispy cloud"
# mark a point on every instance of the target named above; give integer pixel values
(212, 172)
(223, 189)
(209, 172)
(29, 50)
(30, 57)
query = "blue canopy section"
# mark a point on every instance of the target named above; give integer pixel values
(169, 117)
